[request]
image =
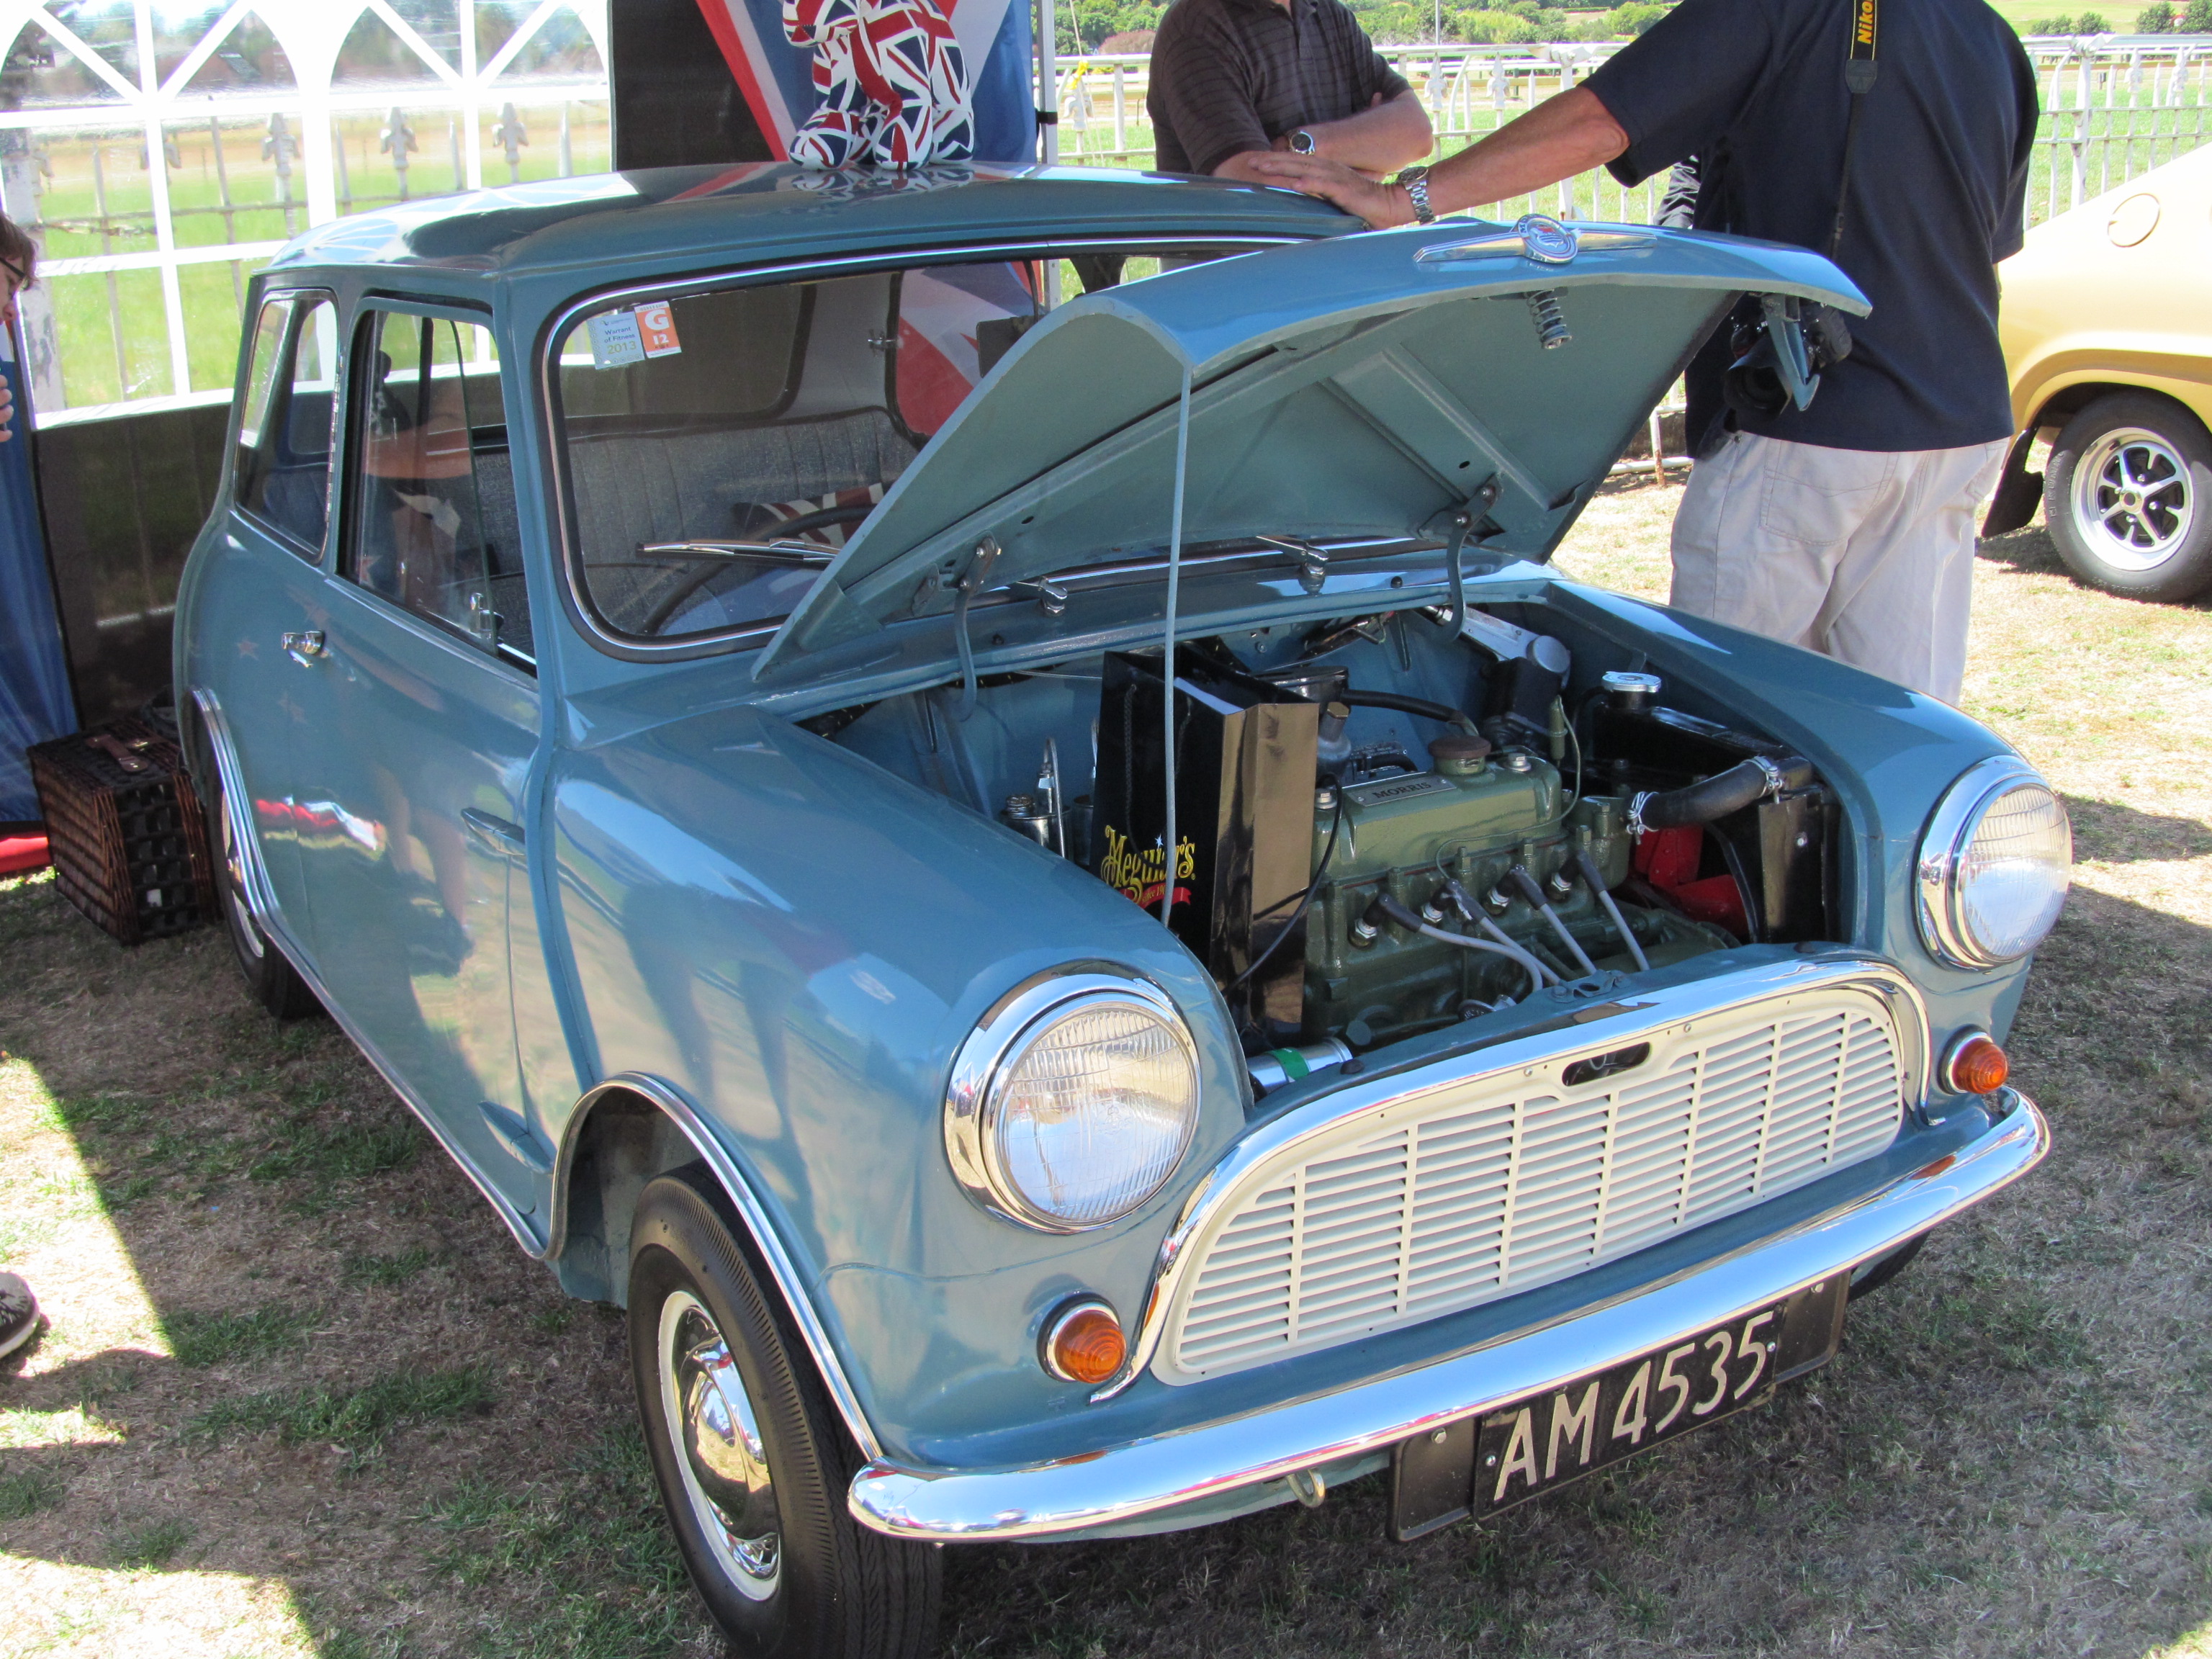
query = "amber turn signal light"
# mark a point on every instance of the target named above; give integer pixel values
(1083, 1341)
(1976, 1064)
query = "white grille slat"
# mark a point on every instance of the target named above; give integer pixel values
(1508, 1181)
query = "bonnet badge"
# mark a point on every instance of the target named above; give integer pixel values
(1545, 240)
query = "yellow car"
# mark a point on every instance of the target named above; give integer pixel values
(2107, 320)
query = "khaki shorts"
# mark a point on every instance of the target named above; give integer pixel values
(1867, 556)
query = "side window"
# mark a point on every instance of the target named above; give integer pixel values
(434, 521)
(283, 472)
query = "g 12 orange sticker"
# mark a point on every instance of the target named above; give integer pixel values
(656, 330)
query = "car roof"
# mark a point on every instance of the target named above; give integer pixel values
(641, 220)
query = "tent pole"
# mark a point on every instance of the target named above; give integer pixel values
(1048, 85)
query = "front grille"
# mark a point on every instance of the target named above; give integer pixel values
(1496, 1184)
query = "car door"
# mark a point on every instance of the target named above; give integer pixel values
(415, 776)
(259, 603)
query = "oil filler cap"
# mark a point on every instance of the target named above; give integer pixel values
(1459, 751)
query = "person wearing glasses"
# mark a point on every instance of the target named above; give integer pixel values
(1894, 138)
(1236, 80)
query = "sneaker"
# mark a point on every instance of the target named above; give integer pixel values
(19, 1313)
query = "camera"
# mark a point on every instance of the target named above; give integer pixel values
(1778, 352)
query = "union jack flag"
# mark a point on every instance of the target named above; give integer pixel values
(897, 83)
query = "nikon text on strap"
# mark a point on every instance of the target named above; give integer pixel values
(1859, 69)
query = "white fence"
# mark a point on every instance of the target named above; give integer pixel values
(2113, 107)
(267, 116)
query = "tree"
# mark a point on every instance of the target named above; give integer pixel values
(2196, 17)
(2061, 24)
(2155, 18)
(2091, 22)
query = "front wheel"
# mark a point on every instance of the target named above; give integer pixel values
(752, 1462)
(2128, 495)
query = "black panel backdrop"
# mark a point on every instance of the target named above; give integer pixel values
(676, 103)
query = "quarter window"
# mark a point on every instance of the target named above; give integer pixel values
(434, 519)
(283, 470)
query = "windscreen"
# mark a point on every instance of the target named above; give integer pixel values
(720, 446)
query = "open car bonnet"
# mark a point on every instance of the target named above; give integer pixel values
(1367, 386)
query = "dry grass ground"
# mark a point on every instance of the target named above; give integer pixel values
(301, 1396)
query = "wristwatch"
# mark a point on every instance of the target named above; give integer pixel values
(1302, 142)
(1414, 181)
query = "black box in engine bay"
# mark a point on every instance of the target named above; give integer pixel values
(1244, 820)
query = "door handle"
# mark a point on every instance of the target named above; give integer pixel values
(494, 835)
(304, 647)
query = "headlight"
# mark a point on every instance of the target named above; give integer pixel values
(1073, 1101)
(1994, 865)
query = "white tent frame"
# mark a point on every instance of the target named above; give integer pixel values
(311, 32)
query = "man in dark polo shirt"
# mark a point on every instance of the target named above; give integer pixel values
(1847, 526)
(1232, 79)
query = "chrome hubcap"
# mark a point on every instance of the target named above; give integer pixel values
(717, 1440)
(2132, 502)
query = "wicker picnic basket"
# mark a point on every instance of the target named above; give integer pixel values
(128, 842)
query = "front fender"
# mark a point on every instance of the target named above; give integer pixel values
(799, 942)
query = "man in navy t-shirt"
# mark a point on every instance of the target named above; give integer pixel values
(1847, 526)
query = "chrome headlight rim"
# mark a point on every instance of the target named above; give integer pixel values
(970, 1143)
(1950, 831)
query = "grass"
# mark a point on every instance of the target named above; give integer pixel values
(368, 1268)
(530, 1543)
(27, 1493)
(351, 1152)
(154, 1545)
(358, 1420)
(2011, 1456)
(201, 1339)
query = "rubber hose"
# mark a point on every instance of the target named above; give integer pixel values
(1435, 711)
(1721, 794)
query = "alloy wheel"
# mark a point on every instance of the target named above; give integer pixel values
(2132, 502)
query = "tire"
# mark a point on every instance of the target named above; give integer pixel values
(1871, 1277)
(271, 979)
(752, 1462)
(2128, 496)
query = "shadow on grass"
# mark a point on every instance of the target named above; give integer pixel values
(2031, 552)
(351, 1334)
(2007, 1458)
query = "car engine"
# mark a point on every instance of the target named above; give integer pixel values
(1356, 863)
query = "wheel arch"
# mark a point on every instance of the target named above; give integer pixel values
(2019, 491)
(623, 1134)
(2062, 403)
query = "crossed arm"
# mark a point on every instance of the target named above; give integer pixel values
(1560, 138)
(1389, 134)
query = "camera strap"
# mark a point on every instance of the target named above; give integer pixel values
(1859, 69)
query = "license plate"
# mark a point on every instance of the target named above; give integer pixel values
(1478, 1466)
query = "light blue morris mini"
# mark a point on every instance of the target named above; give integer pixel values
(969, 791)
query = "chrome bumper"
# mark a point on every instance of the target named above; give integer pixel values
(1121, 1483)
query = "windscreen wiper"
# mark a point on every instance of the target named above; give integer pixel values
(802, 553)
